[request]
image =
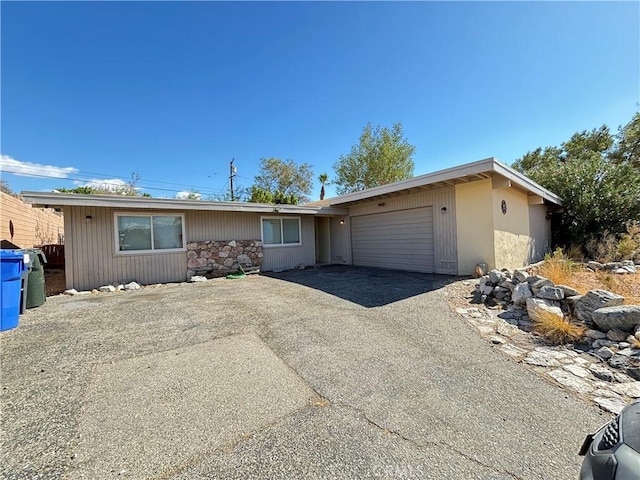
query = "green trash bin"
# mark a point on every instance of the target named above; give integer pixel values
(36, 291)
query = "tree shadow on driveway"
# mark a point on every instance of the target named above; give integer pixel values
(368, 287)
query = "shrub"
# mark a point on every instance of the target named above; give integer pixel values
(558, 268)
(557, 330)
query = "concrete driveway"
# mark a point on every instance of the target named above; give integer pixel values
(337, 372)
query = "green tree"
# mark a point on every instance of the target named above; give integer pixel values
(382, 156)
(285, 176)
(260, 195)
(324, 180)
(596, 173)
(128, 189)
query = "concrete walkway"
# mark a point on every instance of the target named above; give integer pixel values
(330, 373)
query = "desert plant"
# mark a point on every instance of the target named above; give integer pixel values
(558, 268)
(602, 248)
(575, 252)
(556, 329)
(626, 248)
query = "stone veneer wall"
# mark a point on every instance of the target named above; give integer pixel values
(222, 256)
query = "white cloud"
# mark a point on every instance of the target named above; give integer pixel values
(11, 165)
(186, 195)
(111, 184)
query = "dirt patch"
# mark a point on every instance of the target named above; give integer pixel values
(54, 281)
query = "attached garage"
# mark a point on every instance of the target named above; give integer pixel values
(400, 240)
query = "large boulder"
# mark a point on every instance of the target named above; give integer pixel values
(520, 293)
(593, 300)
(623, 317)
(550, 293)
(537, 305)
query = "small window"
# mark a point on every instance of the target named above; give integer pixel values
(281, 231)
(148, 233)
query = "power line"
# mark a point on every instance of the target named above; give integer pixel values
(207, 192)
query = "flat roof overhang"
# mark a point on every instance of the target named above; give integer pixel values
(57, 200)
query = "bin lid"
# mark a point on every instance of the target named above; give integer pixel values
(11, 255)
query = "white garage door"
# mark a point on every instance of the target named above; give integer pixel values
(402, 240)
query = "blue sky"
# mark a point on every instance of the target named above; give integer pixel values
(174, 90)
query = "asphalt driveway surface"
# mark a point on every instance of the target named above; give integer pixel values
(336, 372)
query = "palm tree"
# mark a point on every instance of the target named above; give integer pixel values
(324, 179)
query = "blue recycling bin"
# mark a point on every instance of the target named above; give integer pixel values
(12, 266)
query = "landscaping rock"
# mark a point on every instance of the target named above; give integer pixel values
(594, 300)
(622, 377)
(595, 334)
(577, 370)
(520, 293)
(633, 372)
(570, 380)
(568, 291)
(631, 389)
(604, 342)
(604, 352)
(498, 340)
(496, 276)
(71, 291)
(616, 335)
(485, 286)
(619, 361)
(107, 288)
(132, 286)
(550, 293)
(537, 286)
(595, 266)
(520, 275)
(541, 359)
(613, 405)
(506, 329)
(601, 372)
(623, 317)
(197, 278)
(536, 305)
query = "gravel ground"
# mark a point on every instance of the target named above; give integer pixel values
(337, 372)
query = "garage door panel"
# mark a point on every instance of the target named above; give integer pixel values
(401, 240)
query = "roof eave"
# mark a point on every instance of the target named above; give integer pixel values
(484, 166)
(40, 199)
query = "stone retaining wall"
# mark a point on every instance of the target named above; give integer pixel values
(222, 257)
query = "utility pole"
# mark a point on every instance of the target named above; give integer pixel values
(232, 174)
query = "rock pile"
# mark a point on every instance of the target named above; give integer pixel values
(609, 350)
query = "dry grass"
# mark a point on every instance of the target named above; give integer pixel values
(557, 330)
(635, 343)
(562, 271)
(559, 269)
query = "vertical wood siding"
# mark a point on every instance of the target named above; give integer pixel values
(92, 261)
(283, 258)
(444, 224)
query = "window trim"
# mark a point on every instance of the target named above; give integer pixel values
(280, 217)
(154, 251)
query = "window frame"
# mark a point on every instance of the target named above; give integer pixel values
(153, 251)
(282, 244)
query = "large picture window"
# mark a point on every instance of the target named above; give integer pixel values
(149, 233)
(281, 231)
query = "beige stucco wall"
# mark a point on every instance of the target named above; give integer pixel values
(511, 229)
(539, 231)
(32, 227)
(474, 225)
